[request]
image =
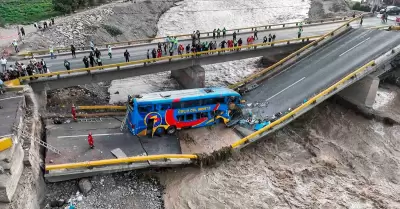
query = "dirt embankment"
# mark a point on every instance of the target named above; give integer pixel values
(328, 8)
(134, 20)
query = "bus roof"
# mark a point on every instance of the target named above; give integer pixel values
(187, 94)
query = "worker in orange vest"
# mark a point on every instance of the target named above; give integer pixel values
(90, 140)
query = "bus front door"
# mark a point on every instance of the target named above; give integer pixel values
(150, 127)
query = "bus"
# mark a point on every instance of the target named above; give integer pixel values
(166, 112)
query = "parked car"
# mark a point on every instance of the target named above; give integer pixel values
(391, 10)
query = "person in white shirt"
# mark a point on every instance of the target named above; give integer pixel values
(3, 62)
(109, 51)
(15, 44)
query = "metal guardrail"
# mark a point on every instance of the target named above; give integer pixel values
(119, 161)
(303, 106)
(292, 55)
(208, 34)
(183, 56)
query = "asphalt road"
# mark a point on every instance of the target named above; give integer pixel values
(139, 52)
(9, 103)
(319, 70)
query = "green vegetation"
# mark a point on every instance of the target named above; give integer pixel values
(26, 11)
(112, 30)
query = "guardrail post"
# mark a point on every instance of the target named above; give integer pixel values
(252, 29)
(58, 76)
(58, 51)
(283, 25)
(302, 40)
(129, 43)
(119, 68)
(332, 34)
(88, 71)
(288, 42)
(272, 44)
(269, 27)
(308, 39)
(297, 24)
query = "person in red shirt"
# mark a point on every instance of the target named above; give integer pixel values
(90, 140)
(159, 53)
(180, 49)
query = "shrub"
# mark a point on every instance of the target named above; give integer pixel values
(359, 7)
(112, 30)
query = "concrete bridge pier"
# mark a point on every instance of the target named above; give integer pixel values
(41, 98)
(189, 78)
(363, 92)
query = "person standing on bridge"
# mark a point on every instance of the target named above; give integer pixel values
(91, 45)
(165, 46)
(97, 53)
(240, 42)
(218, 33)
(73, 51)
(148, 54)
(224, 32)
(90, 140)
(188, 49)
(127, 55)
(99, 62)
(299, 34)
(159, 52)
(269, 38)
(154, 54)
(234, 35)
(255, 33)
(85, 61)
(109, 51)
(214, 31)
(265, 39)
(3, 62)
(44, 65)
(51, 50)
(91, 59)
(198, 34)
(361, 20)
(273, 37)
(67, 65)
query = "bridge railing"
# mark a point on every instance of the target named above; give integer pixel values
(204, 34)
(169, 58)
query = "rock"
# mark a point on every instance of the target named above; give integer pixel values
(1, 170)
(54, 203)
(117, 92)
(85, 186)
(61, 202)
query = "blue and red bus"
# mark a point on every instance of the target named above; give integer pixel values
(166, 112)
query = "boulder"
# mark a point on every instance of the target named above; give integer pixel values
(85, 186)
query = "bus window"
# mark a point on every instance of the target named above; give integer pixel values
(145, 109)
(198, 115)
(204, 115)
(164, 107)
(193, 103)
(176, 105)
(189, 117)
(220, 100)
(181, 117)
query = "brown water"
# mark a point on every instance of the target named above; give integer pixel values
(329, 158)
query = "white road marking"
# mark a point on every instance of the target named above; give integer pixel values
(10, 98)
(8, 135)
(285, 88)
(354, 46)
(112, 134)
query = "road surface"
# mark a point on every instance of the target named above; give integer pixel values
(139, 52)
(320, 70)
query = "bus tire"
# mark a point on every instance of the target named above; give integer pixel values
(171, 130)
(159, 131)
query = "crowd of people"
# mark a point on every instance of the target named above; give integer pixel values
(20, 69)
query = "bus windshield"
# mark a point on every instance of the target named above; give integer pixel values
(166, 112)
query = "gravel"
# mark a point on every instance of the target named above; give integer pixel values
(116, 191)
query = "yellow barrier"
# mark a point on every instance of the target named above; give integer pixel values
(166, 58)
(263, 72)
(5, 143)
(14, 82)
(339, 19)
(101, 107)
(301, 107)
(119, 161)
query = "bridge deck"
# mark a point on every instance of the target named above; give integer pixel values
(319, 70)
(71, 140)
